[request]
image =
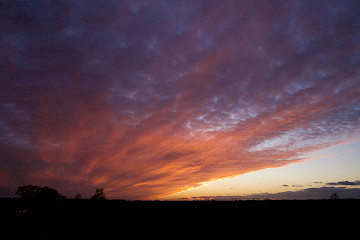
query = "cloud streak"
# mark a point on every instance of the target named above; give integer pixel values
(149, 99)
(303, 194)
(345, 183)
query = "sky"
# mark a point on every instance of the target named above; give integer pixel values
(161, 99)
(317, 177)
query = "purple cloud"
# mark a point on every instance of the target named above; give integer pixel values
(148, 99)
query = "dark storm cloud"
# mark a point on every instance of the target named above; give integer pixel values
(146, 98)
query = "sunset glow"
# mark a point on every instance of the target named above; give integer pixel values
(147, 99)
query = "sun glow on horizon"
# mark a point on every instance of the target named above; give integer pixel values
(290, 178)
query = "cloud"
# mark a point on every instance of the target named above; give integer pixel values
(312, 193)
(304, 194)
(344, 183)
(148, 99)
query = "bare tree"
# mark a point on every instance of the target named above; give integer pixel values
(77, 196)
(99, 194)
(334, 196)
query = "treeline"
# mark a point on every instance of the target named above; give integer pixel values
(31, 192)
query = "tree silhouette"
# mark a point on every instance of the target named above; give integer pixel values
(47, 193)
(38, 193)
(28, 191)
(77, 196)
(334, 196)
(99, 194)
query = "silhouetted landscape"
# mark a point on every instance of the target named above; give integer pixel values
(49, 215)
(179, 119)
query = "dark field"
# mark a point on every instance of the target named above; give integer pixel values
(116, 219)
